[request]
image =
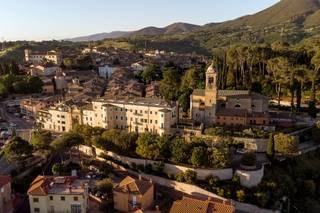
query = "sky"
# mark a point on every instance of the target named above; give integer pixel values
(60, 19)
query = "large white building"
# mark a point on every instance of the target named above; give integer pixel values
(131, 114)
(40, 57)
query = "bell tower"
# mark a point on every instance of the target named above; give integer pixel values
(211, 94)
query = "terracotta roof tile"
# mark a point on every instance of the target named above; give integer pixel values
(191, 205)
(131, 185)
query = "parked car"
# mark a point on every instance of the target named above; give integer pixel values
(5, 134)
(12, 124)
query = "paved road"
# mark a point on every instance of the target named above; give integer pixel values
(21, 123)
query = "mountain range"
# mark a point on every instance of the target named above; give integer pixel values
(168, 30)
(301, 13)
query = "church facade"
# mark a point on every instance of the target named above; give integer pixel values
(227, 107)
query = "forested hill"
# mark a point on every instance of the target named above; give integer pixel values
(284, 12)
(288, 20)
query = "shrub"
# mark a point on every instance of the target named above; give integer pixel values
(190, 176)
(241, 195)
(105, 185)
(285, 143)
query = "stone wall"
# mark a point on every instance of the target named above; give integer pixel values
(250, 178)
(223, 174)
(182, 187)
(199, 192)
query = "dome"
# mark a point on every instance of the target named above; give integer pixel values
(211, 69)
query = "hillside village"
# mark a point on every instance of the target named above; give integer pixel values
(130, 123)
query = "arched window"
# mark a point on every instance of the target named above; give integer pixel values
(237, 106)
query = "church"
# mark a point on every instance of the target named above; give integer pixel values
(212, 106)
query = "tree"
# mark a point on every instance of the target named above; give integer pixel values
(3, 90)
(179, 150)
(35, 84)
(17, 149)
(169, 85)
(270, 147)
(151, 73)
(57, 169)
(67, 141)
(105, 186)
(198, 156)
(285, 144)
(315, 61)
(147, 146)
(219, 158)
(41, 139)
(312, 109)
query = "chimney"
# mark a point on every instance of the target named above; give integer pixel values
(140, 177)
(70, 189)
(150, 181)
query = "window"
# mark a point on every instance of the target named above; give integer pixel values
(150, 112)
(75, 198)
(237, 106)
(161, 115)
(145, 120)
(151, 121)
(36, 200)
(116, 117)
(62, 198)
(62, 116)
(51, 198)
(155, 121)
(36, 210)
(156, 113)
(75, 208)
(63, 128)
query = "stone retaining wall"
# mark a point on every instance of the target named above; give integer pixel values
(223, 174)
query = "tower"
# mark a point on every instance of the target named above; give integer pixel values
(27, 55)
(211, 95)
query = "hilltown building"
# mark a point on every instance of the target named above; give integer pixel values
(227, 107)
(41, 57)
(131, 114)
(132, 195)
(48, 194)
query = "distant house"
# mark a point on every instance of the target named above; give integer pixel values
(5, 194)
(132, 195)
(211, 205)
(138, 66)
(40, 57)
(48, 85)
(106, 71)
(153, 89)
